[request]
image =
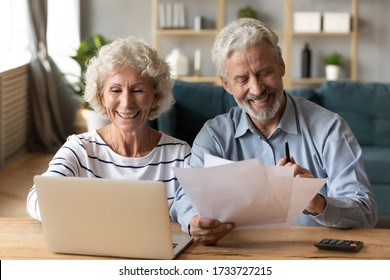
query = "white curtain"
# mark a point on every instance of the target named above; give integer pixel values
(64, 39)
(49, 89)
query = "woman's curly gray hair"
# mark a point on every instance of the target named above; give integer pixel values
(241, 34)
(133, 53)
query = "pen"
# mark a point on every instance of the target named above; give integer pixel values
(287, 150)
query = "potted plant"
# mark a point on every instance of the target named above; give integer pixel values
(86, 50)
(332, 66)
(246, 12)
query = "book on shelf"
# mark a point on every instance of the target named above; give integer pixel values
(161, 15)
(182, 22)
(168, 15)
(171, 15)
(175, 15)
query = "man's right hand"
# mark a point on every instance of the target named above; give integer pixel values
(208, 231)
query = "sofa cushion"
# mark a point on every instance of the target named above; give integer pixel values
(382, 198)
(308, 93)
(195, 103)
(377, 162)
(365, 106)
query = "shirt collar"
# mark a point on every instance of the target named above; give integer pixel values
(244, 124)
(285, 123)
(289, 121)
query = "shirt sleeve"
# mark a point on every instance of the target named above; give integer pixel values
(182, 210)
(32, 207)
(64, 163)
(349, 198)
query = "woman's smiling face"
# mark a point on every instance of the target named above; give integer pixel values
(128, 98)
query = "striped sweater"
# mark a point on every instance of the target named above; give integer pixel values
(87, 155)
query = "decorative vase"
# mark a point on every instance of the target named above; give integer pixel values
(306, 62)
(178, 62)
(332, 72)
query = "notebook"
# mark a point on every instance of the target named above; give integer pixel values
(107, 217)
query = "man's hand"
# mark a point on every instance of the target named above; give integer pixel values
(208, 231)
(318, 203)
(299, 171)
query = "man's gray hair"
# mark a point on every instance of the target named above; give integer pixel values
(242, 34)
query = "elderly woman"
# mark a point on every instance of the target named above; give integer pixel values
(129, 83)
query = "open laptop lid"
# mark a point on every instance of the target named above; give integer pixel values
(109, 217)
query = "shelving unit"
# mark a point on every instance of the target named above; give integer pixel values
(290, 36)
(157, 33)
(286, 33)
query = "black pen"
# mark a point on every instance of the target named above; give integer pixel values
(287, 150)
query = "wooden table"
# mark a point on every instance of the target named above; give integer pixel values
(22, 238)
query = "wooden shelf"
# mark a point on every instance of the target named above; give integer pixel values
(157, 33)
(201, 79)
(286, 34)
(321, 34)
(289, 34)
(308, 81)
(186, 32)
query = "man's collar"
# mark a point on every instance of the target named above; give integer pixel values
(289, 122)
(244, 124)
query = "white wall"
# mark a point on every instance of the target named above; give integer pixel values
(374, 40)
(133, 17)
(117, 18)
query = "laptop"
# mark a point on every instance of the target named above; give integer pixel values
(107, 217)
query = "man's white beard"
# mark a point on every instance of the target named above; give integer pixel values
(266, 113)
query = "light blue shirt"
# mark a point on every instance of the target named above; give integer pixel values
(319, 140)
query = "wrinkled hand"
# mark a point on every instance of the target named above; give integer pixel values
(208, 231)
(318, 203)
(299, 171)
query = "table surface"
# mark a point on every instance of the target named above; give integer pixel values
(22, 238)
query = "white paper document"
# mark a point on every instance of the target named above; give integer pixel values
(247, 193)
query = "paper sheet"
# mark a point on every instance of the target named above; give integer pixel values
(247, 193)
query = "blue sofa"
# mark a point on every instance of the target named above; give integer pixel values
(365, 107)
(195, 104)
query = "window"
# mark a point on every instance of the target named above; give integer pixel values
(63, 39)
(14, 30)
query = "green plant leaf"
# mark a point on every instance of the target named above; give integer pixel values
(333, 58)
(86, 50)
(246, 12)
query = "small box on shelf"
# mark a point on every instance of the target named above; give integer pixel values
(337, 22)
(307, 22)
